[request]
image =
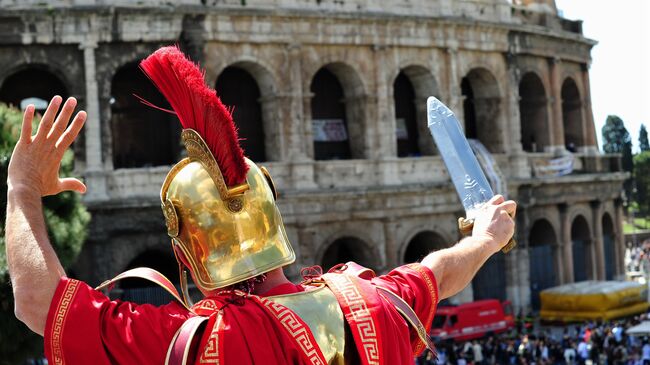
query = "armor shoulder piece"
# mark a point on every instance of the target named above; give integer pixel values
(320, 310)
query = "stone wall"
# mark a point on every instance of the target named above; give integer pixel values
(377, 202)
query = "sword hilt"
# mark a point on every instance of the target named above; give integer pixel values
(465, 227)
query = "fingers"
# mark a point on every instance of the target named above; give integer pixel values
(62, 120)
(26, 131)
(510, 207)
(48, 118)
(72, 132)
(496, 200)
(71, 184)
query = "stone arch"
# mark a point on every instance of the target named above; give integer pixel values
(421, 244)
(574, 134)
(141, 135)
(583, 262)
(482, 108)
(337, 112)
(533, 112)
(144, 291)
(543, 251)
(32, 84)
(347, 248)
(410, 89)
(609, 246)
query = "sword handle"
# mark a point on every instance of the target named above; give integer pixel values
(465, 227)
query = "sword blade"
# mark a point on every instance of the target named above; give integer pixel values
(466, 174)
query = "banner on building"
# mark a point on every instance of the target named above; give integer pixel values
(329, 130)
(553, 167)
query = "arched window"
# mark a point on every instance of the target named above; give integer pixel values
(329, 119)
(238, 89)
(405, 117)
(581, 246)
(423, 244)
(490, 280)
(542, 243)
(142, 136)
(144, 291)
(481, 107)
(348, 249)
(32, 85)
(572, 115)
(533, 114)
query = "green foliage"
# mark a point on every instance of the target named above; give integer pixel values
(66, 219)
(642, 178)
(615, 135)
(643, 139)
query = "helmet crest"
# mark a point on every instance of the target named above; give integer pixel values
(198, 107)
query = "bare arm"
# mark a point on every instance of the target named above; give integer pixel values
(33, 173)
(456, 266)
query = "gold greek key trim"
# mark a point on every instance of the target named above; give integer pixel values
(357, 306)
(211, 353)
(198, 150)
(300, 333)
(58, 324)
(433, 291)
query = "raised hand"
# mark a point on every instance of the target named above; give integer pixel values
(35, 162)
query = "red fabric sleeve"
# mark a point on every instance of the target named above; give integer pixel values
(417, 286)
(85, 327)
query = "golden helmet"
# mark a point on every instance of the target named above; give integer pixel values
(219, 207)
(224, 235)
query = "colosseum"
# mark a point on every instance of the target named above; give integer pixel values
(330, 96)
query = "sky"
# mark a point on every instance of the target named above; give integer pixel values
(620, 68)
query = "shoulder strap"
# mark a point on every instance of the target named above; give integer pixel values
(409, 315)
(147, 274)
(179, 348)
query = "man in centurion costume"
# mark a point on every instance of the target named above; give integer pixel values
(226, 230)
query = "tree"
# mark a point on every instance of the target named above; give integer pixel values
(643, 139)
(66, 219)
(642, 178)
(615, 135)
(616, 139)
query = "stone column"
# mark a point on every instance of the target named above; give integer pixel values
(512, 271)
(597, 240)
(566, 273)
(385, 122)
(94, 175)
(513, 144)
(453, 90)
(619, 245)
(392, 246)
(557, 123)
(591, 144)
(297, 133)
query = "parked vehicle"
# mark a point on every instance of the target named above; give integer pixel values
(472, 320)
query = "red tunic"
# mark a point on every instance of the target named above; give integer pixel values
(85, 327)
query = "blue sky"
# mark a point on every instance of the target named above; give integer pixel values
(620, 70)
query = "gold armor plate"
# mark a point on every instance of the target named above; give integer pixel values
(320, 310)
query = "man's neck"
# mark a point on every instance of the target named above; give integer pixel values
(273, 278)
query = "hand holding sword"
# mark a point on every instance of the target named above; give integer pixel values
(469, 180)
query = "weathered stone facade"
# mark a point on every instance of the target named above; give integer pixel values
(516, 74)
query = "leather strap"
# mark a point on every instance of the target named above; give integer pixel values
(407, 312)
(179, 348)
(147, 274)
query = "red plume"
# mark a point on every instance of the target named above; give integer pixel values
(198, 107)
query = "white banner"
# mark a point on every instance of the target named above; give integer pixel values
(329, 130)
(553, 167)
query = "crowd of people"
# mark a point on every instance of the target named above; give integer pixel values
(591, 343)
